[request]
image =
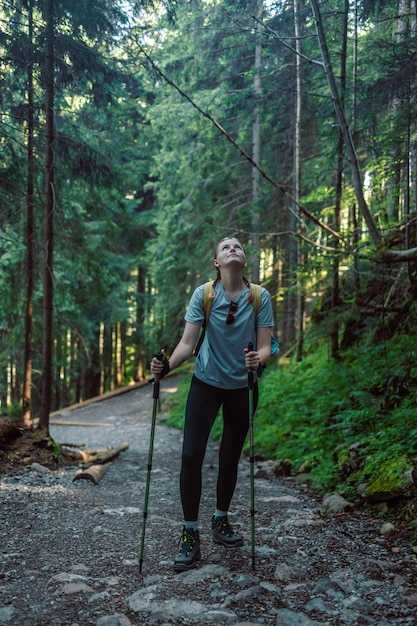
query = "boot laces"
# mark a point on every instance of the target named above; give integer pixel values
(187, 541)
(223, 526)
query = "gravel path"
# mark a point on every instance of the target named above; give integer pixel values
(70, 550)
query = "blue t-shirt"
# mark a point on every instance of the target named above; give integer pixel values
(221, 360)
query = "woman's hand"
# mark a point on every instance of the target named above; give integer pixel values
(252, 360)
(160, 365)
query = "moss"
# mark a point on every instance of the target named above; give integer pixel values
(389, 478)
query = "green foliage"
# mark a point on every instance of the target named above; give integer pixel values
(323, 407)
(14, 411)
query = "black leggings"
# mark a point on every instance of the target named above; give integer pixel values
(203, 404)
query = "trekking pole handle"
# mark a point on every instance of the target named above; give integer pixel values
(250, 373)
(160, 357)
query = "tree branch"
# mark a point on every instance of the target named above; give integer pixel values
(398, 256)
(281, 188)
(284, 43)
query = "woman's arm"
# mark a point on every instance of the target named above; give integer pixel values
(262, 353)
(186, 345)
(183, 350)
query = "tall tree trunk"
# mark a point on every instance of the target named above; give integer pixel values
(256, 149)
(49, 213)
(118, 368)
(296, 182)
(140, 318)
(289, 307)
(334, 333)
(275, 280)
(107, 359)
(354, 222)
(59, 350)
(27, 368)
(350, 149)
(92, 368)
(292, 304)
(413, 169)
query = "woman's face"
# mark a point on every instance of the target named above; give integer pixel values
(229, 251)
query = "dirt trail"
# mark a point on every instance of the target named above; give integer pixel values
(70, 550)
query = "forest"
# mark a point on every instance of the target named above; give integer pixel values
(136, 134)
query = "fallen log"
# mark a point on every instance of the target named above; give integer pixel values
(98, 457)
(97, 462)
(88, 424)
(91, 455)
(94, 473)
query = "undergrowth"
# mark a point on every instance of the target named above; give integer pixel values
(317, 409)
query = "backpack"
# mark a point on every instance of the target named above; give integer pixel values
(256, 303)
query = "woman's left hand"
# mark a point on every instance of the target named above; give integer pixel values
(252, 360)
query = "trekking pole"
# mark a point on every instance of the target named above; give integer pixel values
(155, 396)
(252, 461)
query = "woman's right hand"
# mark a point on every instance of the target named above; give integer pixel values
(159, 364)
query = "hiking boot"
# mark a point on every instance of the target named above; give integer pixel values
(223, 533)
(189, 550)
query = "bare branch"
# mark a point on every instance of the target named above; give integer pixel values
(284, 43)
(278, 186)
(398, 256)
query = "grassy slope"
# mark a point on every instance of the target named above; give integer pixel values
(316, 409)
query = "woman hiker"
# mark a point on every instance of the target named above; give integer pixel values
(220, 380)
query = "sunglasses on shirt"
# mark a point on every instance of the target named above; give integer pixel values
(230, 319)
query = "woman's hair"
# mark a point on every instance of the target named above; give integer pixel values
(218, 277)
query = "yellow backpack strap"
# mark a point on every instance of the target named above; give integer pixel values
(207, 302)
(257, 299)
